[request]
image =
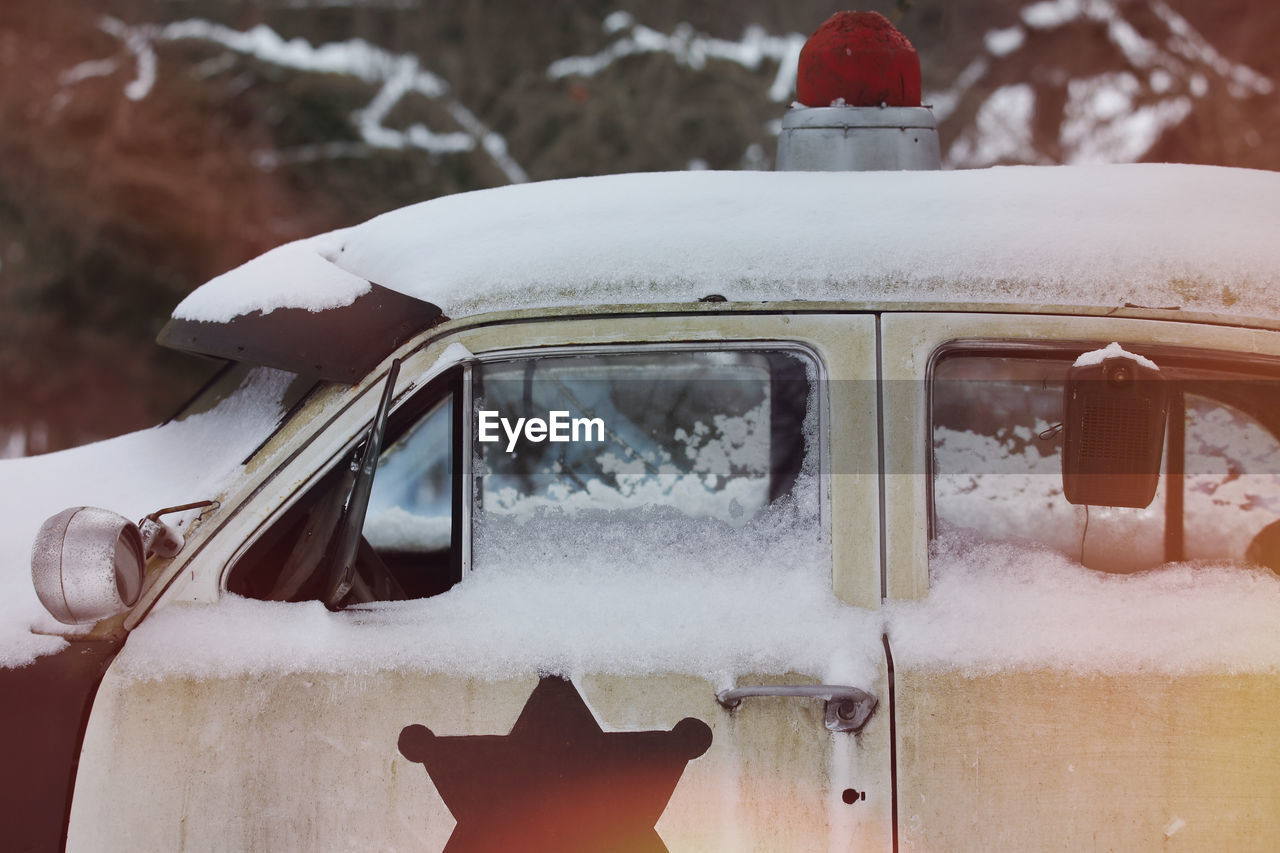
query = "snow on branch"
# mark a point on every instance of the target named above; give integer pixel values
(691, 49)
(1111, 117)
(397, 74)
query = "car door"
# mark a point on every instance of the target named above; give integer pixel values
(661, 632)
(1064, 679)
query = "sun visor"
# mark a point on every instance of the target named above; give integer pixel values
(338, 344)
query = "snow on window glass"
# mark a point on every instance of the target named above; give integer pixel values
(713, 435)
(998, 465)
(1232, 484)
(997, 445)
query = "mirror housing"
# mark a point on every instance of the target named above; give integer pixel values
(87, 564)
(1114, 415)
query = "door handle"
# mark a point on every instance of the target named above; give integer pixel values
(847, 708)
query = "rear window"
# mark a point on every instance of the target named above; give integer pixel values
(997, 445)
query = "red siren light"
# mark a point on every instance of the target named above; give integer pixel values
(860, 58)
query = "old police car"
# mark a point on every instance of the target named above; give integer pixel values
(886, 508)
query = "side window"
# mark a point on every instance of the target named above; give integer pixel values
(656, 440)
(997, 464)
(661, 437)
(410, 542)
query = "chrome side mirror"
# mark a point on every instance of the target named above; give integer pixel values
(87, 564)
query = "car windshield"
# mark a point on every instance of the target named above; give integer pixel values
(239, 379)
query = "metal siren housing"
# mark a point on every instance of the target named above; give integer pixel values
(858, 102)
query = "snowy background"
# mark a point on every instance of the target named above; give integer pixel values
(148, 145)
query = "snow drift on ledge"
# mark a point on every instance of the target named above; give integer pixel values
(719, 609)
(1198, 237)
(134, 474)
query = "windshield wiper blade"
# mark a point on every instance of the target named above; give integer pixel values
(346, 542)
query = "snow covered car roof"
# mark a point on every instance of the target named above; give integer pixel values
(1152, 235)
